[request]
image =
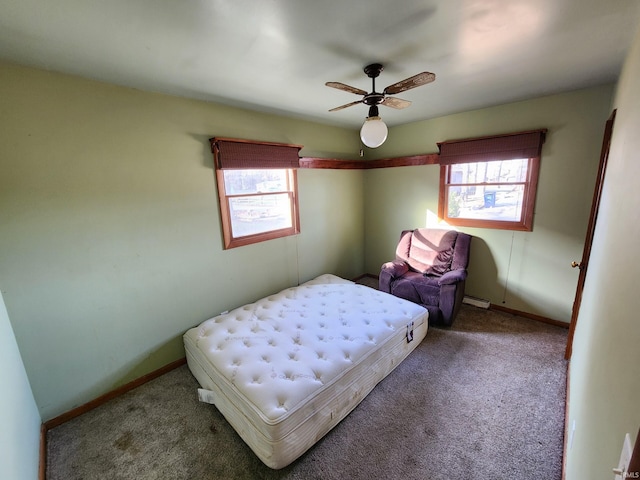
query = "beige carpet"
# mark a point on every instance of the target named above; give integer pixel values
(482, 400)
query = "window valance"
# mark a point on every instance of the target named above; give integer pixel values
(230, 153)
(499, 147)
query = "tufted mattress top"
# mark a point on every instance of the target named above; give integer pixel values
(286, 369)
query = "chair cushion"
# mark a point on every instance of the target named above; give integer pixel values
(431, 250)
(417, 288)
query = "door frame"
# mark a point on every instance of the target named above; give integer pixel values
(593, 217)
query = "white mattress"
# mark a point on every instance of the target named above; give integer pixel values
(286, 369)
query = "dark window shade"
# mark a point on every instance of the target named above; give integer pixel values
(485, 149)
(243, 154)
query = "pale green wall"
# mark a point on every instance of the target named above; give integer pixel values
(526, 271)
(604, 389)
(111, 244)
(20, 431)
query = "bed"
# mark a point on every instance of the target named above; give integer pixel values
(286, 369)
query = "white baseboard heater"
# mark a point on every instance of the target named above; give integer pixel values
(476, 302)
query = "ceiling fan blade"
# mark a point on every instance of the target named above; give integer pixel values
(397, 103)
(346, 88)
(409, 83)
(345, 106)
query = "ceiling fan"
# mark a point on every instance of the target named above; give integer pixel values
(374, 131)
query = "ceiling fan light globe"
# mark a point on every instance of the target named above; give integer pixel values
(373, 132)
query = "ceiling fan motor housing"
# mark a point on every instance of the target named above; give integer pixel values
(373, 98)
(373, 70)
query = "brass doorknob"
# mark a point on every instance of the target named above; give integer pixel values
(576, 264)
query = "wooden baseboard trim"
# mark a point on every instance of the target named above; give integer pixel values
(76, 412)
(364, 275)
(531, 316)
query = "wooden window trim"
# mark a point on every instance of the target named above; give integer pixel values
(336, 163)
(223, 198)
(530, 184)
(528, 203)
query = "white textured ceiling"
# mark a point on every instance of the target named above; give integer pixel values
(276, 55)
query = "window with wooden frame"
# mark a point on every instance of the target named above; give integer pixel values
(490, 182)
(257, 190)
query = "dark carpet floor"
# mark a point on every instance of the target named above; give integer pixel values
(482, 400)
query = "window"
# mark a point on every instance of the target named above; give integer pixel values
(490, 182)
(257, 190)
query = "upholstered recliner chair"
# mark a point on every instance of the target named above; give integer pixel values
(430, 269)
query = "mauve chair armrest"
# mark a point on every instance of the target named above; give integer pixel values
(453, 276)
(395, 269)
